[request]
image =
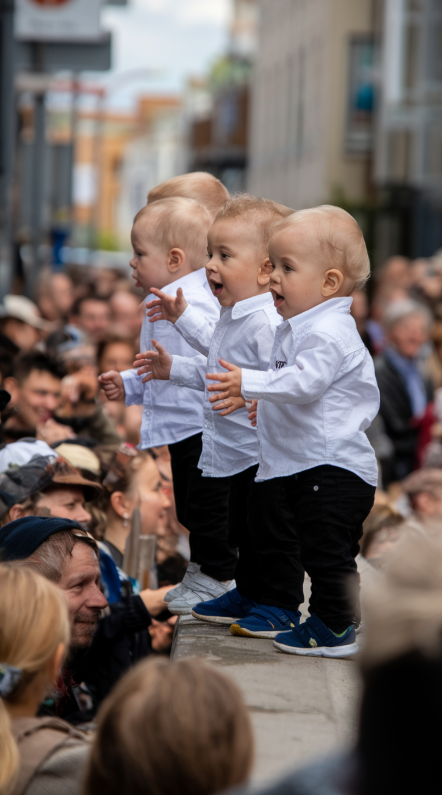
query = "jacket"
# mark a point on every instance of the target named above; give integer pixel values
(397, 415)
(53, 757)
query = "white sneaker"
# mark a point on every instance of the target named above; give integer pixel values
(202, 589)
(192, 569)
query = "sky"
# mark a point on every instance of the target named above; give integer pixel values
(175, 38)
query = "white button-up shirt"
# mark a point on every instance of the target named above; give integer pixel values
(170, 414)
(318, 397)
(244, 336)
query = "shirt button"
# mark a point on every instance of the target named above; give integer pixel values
(315, 488)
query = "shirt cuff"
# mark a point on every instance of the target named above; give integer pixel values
(253, 383)
(179, 373)
(133, 388)
(190, 322)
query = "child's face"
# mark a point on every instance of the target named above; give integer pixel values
(149, 261)
(300, 278)
(237, 268)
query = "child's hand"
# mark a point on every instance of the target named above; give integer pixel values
(112, 384)
(166, 307)
(227, 406)
(157, 364)
(230, 385)
(253, 413)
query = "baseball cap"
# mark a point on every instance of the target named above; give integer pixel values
(21, 308)
(19, 539)
(19, 483)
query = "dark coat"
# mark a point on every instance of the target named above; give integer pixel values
(397, 414)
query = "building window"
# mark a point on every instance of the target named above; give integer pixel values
(360, 96)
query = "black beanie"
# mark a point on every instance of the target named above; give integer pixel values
(19, 539)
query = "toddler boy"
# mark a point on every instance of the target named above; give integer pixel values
(238, 271)
(169, 238)
(314, 404)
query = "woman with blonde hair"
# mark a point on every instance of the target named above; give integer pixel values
(37, 755)
(171, 727)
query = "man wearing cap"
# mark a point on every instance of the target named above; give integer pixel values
(45, 487)
(424, 491)
(102, 646)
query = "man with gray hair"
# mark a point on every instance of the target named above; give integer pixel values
(405, 390)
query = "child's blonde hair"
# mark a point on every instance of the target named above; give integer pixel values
(171, 727)
(199, 185)
(264, 213)
(340, 238)
(33, 622)
(179, 223)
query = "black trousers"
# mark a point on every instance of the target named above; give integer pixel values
(201, 505)
(310, 521)
(261, 524)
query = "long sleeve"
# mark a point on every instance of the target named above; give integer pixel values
(196, 328)
(190, 372)
(318, 362)
(133, 388)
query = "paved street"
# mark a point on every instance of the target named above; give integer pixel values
(300, 707)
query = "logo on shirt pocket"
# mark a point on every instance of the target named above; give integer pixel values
(279, 365)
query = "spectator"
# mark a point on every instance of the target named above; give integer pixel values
(37, 754)
(40, 398)
(133, 480)
(118, 353)
(170, 728)
(34, 387)
(55, 296)
(92, 316)
(405, 391)
(21, 322)
(45, 487)
(101, 649)
(127, 315)
(424, 491)
(359, 310)
(115, 353)
(381, 530)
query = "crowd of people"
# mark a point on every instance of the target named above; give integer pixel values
(244, 401)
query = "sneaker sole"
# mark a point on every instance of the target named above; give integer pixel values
(320, 651)
(180, 611)
(235, 629)
(214, 619)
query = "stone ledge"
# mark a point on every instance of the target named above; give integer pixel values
(301, 707)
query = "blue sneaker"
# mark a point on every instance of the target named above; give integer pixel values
(265, 621)
(313, 638)
(225, 609)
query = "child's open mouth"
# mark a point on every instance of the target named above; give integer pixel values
(217, 287)
(277, 299)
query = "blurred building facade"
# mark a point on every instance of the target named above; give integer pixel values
(408, 151)
(312, 101)
(346, 107)
(98, 169)
(219, 127)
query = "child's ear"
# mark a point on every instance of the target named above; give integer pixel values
(332, 283)
(176, 259)
(265, 272)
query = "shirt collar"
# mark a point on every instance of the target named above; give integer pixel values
(253, 304)
(342, 305)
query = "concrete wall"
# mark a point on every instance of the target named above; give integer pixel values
(299, 90)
